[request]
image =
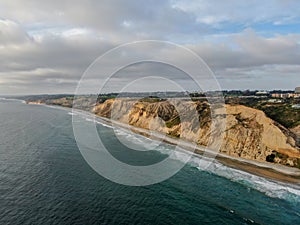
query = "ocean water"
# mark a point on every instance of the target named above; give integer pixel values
(45, 180)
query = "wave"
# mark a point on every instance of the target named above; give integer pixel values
(89, 120)
(12, 99)
(271, 188)
(104, 125)
(53, 107)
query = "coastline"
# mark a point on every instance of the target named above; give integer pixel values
(271, 171)
(267, 170)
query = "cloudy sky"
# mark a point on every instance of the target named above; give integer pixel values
(45, 46)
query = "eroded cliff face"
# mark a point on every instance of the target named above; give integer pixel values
(296, 132)
(250, 134)
(246, 133)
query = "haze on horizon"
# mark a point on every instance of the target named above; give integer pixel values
(45, 46)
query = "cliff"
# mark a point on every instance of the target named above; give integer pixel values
(249, 133)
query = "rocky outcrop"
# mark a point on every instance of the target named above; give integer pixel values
(296, 132)
(247, 132)
(250, 134)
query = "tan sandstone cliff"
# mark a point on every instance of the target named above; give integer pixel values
(247, 133)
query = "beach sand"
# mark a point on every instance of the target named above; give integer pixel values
(264, 169)
(267, 170)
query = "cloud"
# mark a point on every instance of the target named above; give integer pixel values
(109, 15)
(248, 49)
(216, 12)
(45, 59)
(45, 46)
(134, 19)
(57, 60)
(12, 33)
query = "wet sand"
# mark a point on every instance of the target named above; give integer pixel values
(261, 171)
(264, 169)
(271, 171)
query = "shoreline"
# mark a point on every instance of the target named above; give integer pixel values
(271, 171)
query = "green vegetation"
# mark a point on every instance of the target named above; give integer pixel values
(152, 99)
(270, 158)
(282, 112)
(281, 156)
(173, 122)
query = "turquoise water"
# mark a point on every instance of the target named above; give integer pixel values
(45, 180)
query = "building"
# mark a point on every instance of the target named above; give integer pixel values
(275, 101)
(297, 90)
(296, 106)
(293, 95)
(285, 95)
(277, 95)
(262, 93)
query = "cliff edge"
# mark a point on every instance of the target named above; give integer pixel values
(248, 134)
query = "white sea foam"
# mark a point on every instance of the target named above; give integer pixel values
(271, 188)
(128, 135)
(12, 99)
(53, 107)
(135, 141)
(103, 124)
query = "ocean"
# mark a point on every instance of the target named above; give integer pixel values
(44, 179)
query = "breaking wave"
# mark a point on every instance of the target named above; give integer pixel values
(271, 188)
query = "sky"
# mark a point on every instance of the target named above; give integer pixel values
(47, 46)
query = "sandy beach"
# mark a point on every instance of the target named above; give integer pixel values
(264, 169)
(271, 171)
